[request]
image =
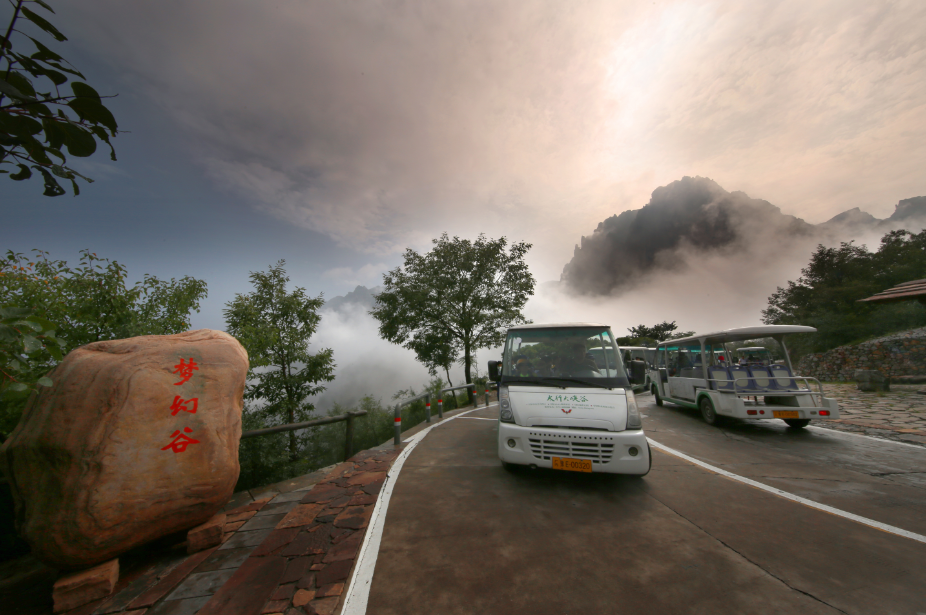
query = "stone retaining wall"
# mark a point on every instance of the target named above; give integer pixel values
(900, 354)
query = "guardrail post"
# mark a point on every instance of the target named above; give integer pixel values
(487, 394)
(349, 437)
(440, 406)
(398, 425)
(427, 406)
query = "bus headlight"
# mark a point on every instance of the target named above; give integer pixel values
(634, 421)
(504, 415)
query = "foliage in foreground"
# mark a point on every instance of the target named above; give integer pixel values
(51, 308)
(459, 297)
(275, 328)
(827, 293)
(38, 117)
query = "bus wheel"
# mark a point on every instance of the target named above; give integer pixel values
(708, 412)
(656, 395)
(797, 423)
(511, 467)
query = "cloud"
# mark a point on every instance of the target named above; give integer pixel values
(383, 124)
(369, 273)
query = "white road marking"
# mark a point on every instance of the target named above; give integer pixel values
(830, 430)
(358, 593)
(477, 418)
(790, 496)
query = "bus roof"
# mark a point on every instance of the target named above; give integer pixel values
(740, 334)
(559, 325)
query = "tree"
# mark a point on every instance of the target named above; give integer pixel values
(663, 331)
(48, 308)
(36, 125)
(436, 349)
(275, 327)
(826, 294)
(466, 293)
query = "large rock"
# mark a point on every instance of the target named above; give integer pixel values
(138, 438)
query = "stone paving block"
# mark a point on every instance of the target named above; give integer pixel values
(205, 535)
(303, 514)
(362, 499)
(335, 589)
(307, 581)
(354, 517)
(365, 478)
(133, 583)
(246, 592)
(303, 597)
(325, 606)
(275, 606)
(76, 589)
(242, 516)
(262, 523)
(293, 496)
(255, 505)
(374, 487)
(200, 584)
(332, 573)
(346, 549)
(323, 492)
(274, 508)
(190, 606)
(276, 540)
(233, 527)
(296, 569)
(245, 539)
(284, 592)
(171, 580)
(224, 559)
(242, 498)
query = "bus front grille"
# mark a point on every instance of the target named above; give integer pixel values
(597, 448)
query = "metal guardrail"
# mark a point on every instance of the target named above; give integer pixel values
(397, 439)
(348, 439)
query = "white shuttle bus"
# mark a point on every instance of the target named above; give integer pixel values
(565, 401)
(702, 372)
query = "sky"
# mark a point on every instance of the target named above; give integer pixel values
(336, 135)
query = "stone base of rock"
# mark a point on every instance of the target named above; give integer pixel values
(871, 380)
(206, 535)
(909, 380)
(76, 589)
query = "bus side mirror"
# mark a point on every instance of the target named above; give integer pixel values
(637, 371)
(493, 371)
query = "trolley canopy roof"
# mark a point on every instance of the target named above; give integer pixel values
(559, 325)
(752, 349)
(914, 289)
(741, 334)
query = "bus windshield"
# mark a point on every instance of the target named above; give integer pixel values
(560, 355)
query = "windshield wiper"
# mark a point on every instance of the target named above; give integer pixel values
(528, 380)
(583, 382)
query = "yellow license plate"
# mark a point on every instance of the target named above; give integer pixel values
(786, 414)
(573, 465)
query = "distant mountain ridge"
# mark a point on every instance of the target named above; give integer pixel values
(361, 296)
(694, 218)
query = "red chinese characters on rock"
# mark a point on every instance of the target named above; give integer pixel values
(185, 370)
(179, 404)
(180, 440)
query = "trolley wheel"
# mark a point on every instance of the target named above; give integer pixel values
(656, 395)
(707, 411)
(797, 423)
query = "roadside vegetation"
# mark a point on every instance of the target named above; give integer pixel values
(827, 293)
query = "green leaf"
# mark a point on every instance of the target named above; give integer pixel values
(43, 53)
(44, 5)
(84, 90)
(36, 150)
(52, 187)
(19, 125)
(45, 381)
(24, 173)
(61, 172)
(10, 90)
(19, 81)
(28, 323)
(92, 110)
(18, 386)
(43, 24)
(31, 344)
(78, 140)
(54, 134)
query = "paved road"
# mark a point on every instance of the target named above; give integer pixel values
(462, 535)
